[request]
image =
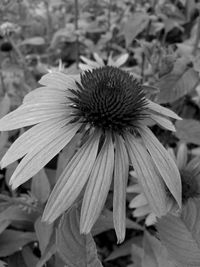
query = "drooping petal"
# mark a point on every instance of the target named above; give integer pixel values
(138, 201)
(59, 80)
(162, 110)
(182, 156)
(164, 163)
(98, 186)
(46, 95)
(72, 179)
(27, 141)
(164, 122)
(148, 178)
(27, 115)
(121, 169)
(43, 152)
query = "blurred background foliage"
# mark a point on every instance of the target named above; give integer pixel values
(161, 38)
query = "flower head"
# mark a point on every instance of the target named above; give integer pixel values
(190, 180)
(109, 109)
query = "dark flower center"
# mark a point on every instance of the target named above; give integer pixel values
(109, 98)
(190, 187)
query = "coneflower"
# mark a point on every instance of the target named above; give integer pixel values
(107, 106)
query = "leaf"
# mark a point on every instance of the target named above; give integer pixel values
(124, 249)
(188, 130)
(43, 232)
(12, 241)
(134, 25)
(2, 264)
(176, 84)
(105, 223)
(15, 213)
(37, 40)
(40, 186)
(74, 248)
(5, 105)
(155, 254)
(181, 235)
(49, 251)
(29, 258)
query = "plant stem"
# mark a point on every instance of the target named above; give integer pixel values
(197, 37)
(76, 29)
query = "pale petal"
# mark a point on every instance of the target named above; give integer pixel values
(98, 186)
(46, 95)
(89, 62)
(43, 152)
(142, 211)
(150, 219)
(59, 80)
(84, 67)
(27, 115)
(164, 122)
(136, 188)
(98, 59)
(138, 201)
(182, 156)
(162, 110)
(121, 169)
(148, 178)
(72, 179)
(27, 141)
(164, 163)
(121, 60)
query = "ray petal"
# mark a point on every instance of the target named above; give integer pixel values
(164, 122)
(138, 201)
(43, 152)
(148, 178)
(27, 115)
(182, 156)
(89, 62)
(164, 163)
(46, 95)
(121, 60)
(27, 141)
(162, 110)
(98, 186)
(72, 179)
(121, 169)
(142, 211)
(59, 80)
(98, 59)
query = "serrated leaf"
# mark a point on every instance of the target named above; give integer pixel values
(175, 85)
(74, 248)
(12, 241)
(40, 186)
(188, 130)
(181, 235)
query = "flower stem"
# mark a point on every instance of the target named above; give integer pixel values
(76, 30)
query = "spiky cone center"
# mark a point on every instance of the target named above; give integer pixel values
(190, 186)
(110, 99)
